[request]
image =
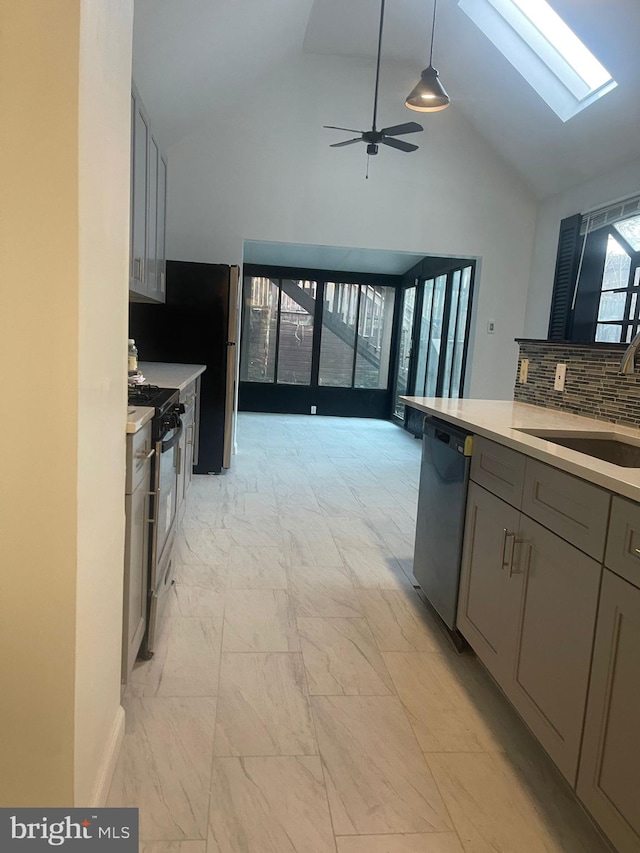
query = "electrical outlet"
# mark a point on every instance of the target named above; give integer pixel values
(313, 410)
(524, 370)
(561, 372)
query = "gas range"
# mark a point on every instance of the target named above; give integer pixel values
(152, 396)
(166, 403)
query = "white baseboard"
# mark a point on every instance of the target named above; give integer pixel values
(109, 759)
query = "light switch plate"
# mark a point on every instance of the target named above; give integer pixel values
(491, 327)
(524, 370)
(561, 372)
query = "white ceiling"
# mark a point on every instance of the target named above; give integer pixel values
(193, 56)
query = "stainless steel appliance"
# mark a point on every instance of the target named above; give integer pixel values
(444, 478)
(166, 429)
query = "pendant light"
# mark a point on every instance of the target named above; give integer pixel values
(428, 95)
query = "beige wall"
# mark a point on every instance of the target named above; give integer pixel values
(104, 163)
(66, 402)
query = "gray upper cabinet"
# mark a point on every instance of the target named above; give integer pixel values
(161, 231)
(140, 136)
(609, 777)
(148, 209)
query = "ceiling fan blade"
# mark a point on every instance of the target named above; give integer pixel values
(399, 144)
(348, 142)
(348, 129)
(399, 129)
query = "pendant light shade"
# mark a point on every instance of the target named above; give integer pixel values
(428, 95)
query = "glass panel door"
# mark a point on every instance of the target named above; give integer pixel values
(295, 332)
(405, 348)
(434, 329)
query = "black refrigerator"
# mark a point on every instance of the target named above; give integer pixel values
(197, 325)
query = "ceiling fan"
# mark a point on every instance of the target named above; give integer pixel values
(386, 135)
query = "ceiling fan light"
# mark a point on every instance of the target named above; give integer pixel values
(428, 95)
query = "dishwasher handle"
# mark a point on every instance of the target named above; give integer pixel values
(442, 436)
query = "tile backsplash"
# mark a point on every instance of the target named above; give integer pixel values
(593, 386)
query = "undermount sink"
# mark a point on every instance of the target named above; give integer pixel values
(600, 446)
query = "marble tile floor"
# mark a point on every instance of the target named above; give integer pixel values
(302, 698)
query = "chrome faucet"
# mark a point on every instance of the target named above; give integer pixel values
(627, 365)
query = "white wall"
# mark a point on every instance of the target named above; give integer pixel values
(618, 184)
(263, 170)
(64, 173)
(104, 163)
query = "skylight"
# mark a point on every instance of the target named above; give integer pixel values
(548, 54)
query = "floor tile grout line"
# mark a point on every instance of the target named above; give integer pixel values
(322, 765)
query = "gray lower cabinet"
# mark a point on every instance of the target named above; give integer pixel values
(186, 447)
(134, 614)
(489, 592)
(551, 656)
(527, 606)
(559, 633)
(609, 776)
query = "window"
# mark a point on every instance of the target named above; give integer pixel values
(277, 346)
(355, 346)
(548, 54)
(598, 277)
(288, 340)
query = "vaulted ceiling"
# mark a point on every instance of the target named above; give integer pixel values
(192, 57)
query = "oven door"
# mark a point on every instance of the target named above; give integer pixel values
(166, 493)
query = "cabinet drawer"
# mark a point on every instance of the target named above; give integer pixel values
(575, 510)
(139, 447)
(623, 543)
(499, 469)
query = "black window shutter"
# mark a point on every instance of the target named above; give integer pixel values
(569, 244)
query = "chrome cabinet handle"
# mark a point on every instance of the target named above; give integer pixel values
(145, 456)
(636, 551)
(506, 535)
(138, 268)
(525, 570)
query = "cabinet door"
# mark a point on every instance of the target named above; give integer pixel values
(140, 198)
(161, 226)
(188, 464)
(152, 218)
(489, 589)
(135, 576)
(181, 471)
(609, 777)
(552, 653)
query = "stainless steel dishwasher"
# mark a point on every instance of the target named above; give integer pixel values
(444, 478)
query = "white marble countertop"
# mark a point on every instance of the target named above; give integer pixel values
(137, 417)
(167, 375)
(502, 420)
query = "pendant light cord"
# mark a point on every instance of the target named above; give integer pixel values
(433, 32)
(375, 96)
